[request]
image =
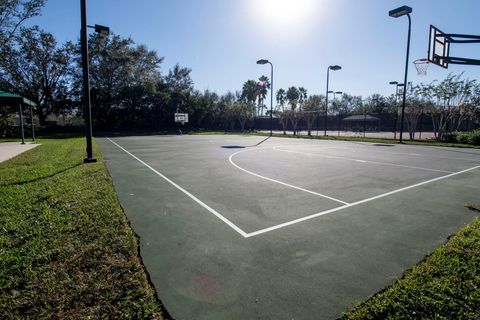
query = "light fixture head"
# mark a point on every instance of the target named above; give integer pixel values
(104, 31)
(335, 67)
(393, 82)
(262, 61)
(401, 11)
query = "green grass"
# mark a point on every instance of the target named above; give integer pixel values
(446, 285)
(13, 140)
(66, 249)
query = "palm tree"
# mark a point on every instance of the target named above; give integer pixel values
(281, 100)
(263, 93)
(293, 96)
(302, 96)
(248, 91)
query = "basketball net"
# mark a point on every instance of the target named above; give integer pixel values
(422, 66)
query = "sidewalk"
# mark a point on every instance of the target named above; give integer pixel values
(11, 149)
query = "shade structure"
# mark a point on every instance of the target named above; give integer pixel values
(12, 99)
(361, 117)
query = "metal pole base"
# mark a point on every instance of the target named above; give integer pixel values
(89, 160)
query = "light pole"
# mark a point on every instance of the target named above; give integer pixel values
(87, 108)
(397, 85)
(396, 13)
(32, 123)
(334, 68)
(339, 122)
(21, 123)
(264, 61)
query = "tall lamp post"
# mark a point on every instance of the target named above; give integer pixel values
(396, 13)
(264, 61)
(334, 68)
(397, 85)
(339, 122)
(87, 108)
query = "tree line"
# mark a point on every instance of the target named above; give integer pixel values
(130, 91)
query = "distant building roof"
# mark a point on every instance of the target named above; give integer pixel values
(361, 117)
(7, 98)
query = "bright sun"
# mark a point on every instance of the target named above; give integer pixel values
(283, 12)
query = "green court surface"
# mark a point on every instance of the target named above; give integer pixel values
(239, 227)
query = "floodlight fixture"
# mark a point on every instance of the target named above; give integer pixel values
(103, 30)
(401, 11)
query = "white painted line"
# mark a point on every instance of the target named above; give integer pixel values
(282, 225)
(276, 181)
(363, 161)
(218, 215)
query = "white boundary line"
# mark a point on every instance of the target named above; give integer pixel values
(282, 225)
(362, 161)
(276, 181)
(218, 215)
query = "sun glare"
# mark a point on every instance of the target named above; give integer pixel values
(284, 13)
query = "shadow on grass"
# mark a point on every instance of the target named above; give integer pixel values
(19, 183)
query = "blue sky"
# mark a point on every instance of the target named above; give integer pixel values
(222, 39)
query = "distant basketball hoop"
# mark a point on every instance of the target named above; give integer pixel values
(181, 118)
(422, 66)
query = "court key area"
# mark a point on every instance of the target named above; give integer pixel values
(249, 227)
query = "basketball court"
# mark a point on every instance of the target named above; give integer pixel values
(239, 227)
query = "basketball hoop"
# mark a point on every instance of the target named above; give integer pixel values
(422, 66)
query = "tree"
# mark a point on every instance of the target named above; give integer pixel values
(126, 83)
(224, 110)
(179, 79)
(249, 91)
(13, 13)
(242, 112)
(349, 104)
(302, 97)
(292, 96)
(281, 98)
(263, 91)
(311, 109)
(452, 103)
(38, 69)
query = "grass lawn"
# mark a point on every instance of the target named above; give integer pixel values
(13, 140)
(446, 285)
(66, 249)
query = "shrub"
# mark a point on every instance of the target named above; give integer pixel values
(465, 137)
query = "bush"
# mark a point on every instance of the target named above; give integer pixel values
(465, 137)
